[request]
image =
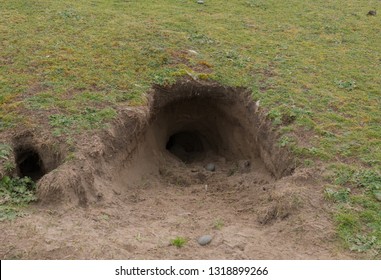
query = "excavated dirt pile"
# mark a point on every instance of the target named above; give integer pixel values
(198, 159)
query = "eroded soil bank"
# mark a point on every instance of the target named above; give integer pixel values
(132, 188)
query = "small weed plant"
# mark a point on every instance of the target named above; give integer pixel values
(178, 241)
(15, 193)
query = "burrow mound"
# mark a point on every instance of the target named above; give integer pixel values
(188, 124)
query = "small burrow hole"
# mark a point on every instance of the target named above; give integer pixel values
(29, 163)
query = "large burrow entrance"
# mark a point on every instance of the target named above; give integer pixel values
(174, 138)
(196, 128)
(198, 152)
(197, 124)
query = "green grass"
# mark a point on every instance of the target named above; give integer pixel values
(5, 151)
(314, 65)
(15, 193)
(5, 154)
(357, 208)
(87, 119)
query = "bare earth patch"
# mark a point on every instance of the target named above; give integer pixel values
(134, 187)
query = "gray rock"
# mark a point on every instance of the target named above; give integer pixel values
(372, 13)
(210, 167)
(205, 239)
(200, 2)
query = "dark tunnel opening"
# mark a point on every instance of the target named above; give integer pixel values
(29, 164)
(186, 145)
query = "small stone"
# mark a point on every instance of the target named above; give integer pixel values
(200, 2)
(377, 195)
(210, 167)
(371, 13)
(205, 239)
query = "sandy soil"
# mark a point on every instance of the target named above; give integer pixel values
(131, 189)
(249, 215)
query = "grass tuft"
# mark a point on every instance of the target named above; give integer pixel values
(178, 241)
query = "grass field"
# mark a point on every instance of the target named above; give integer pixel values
(314, 65)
